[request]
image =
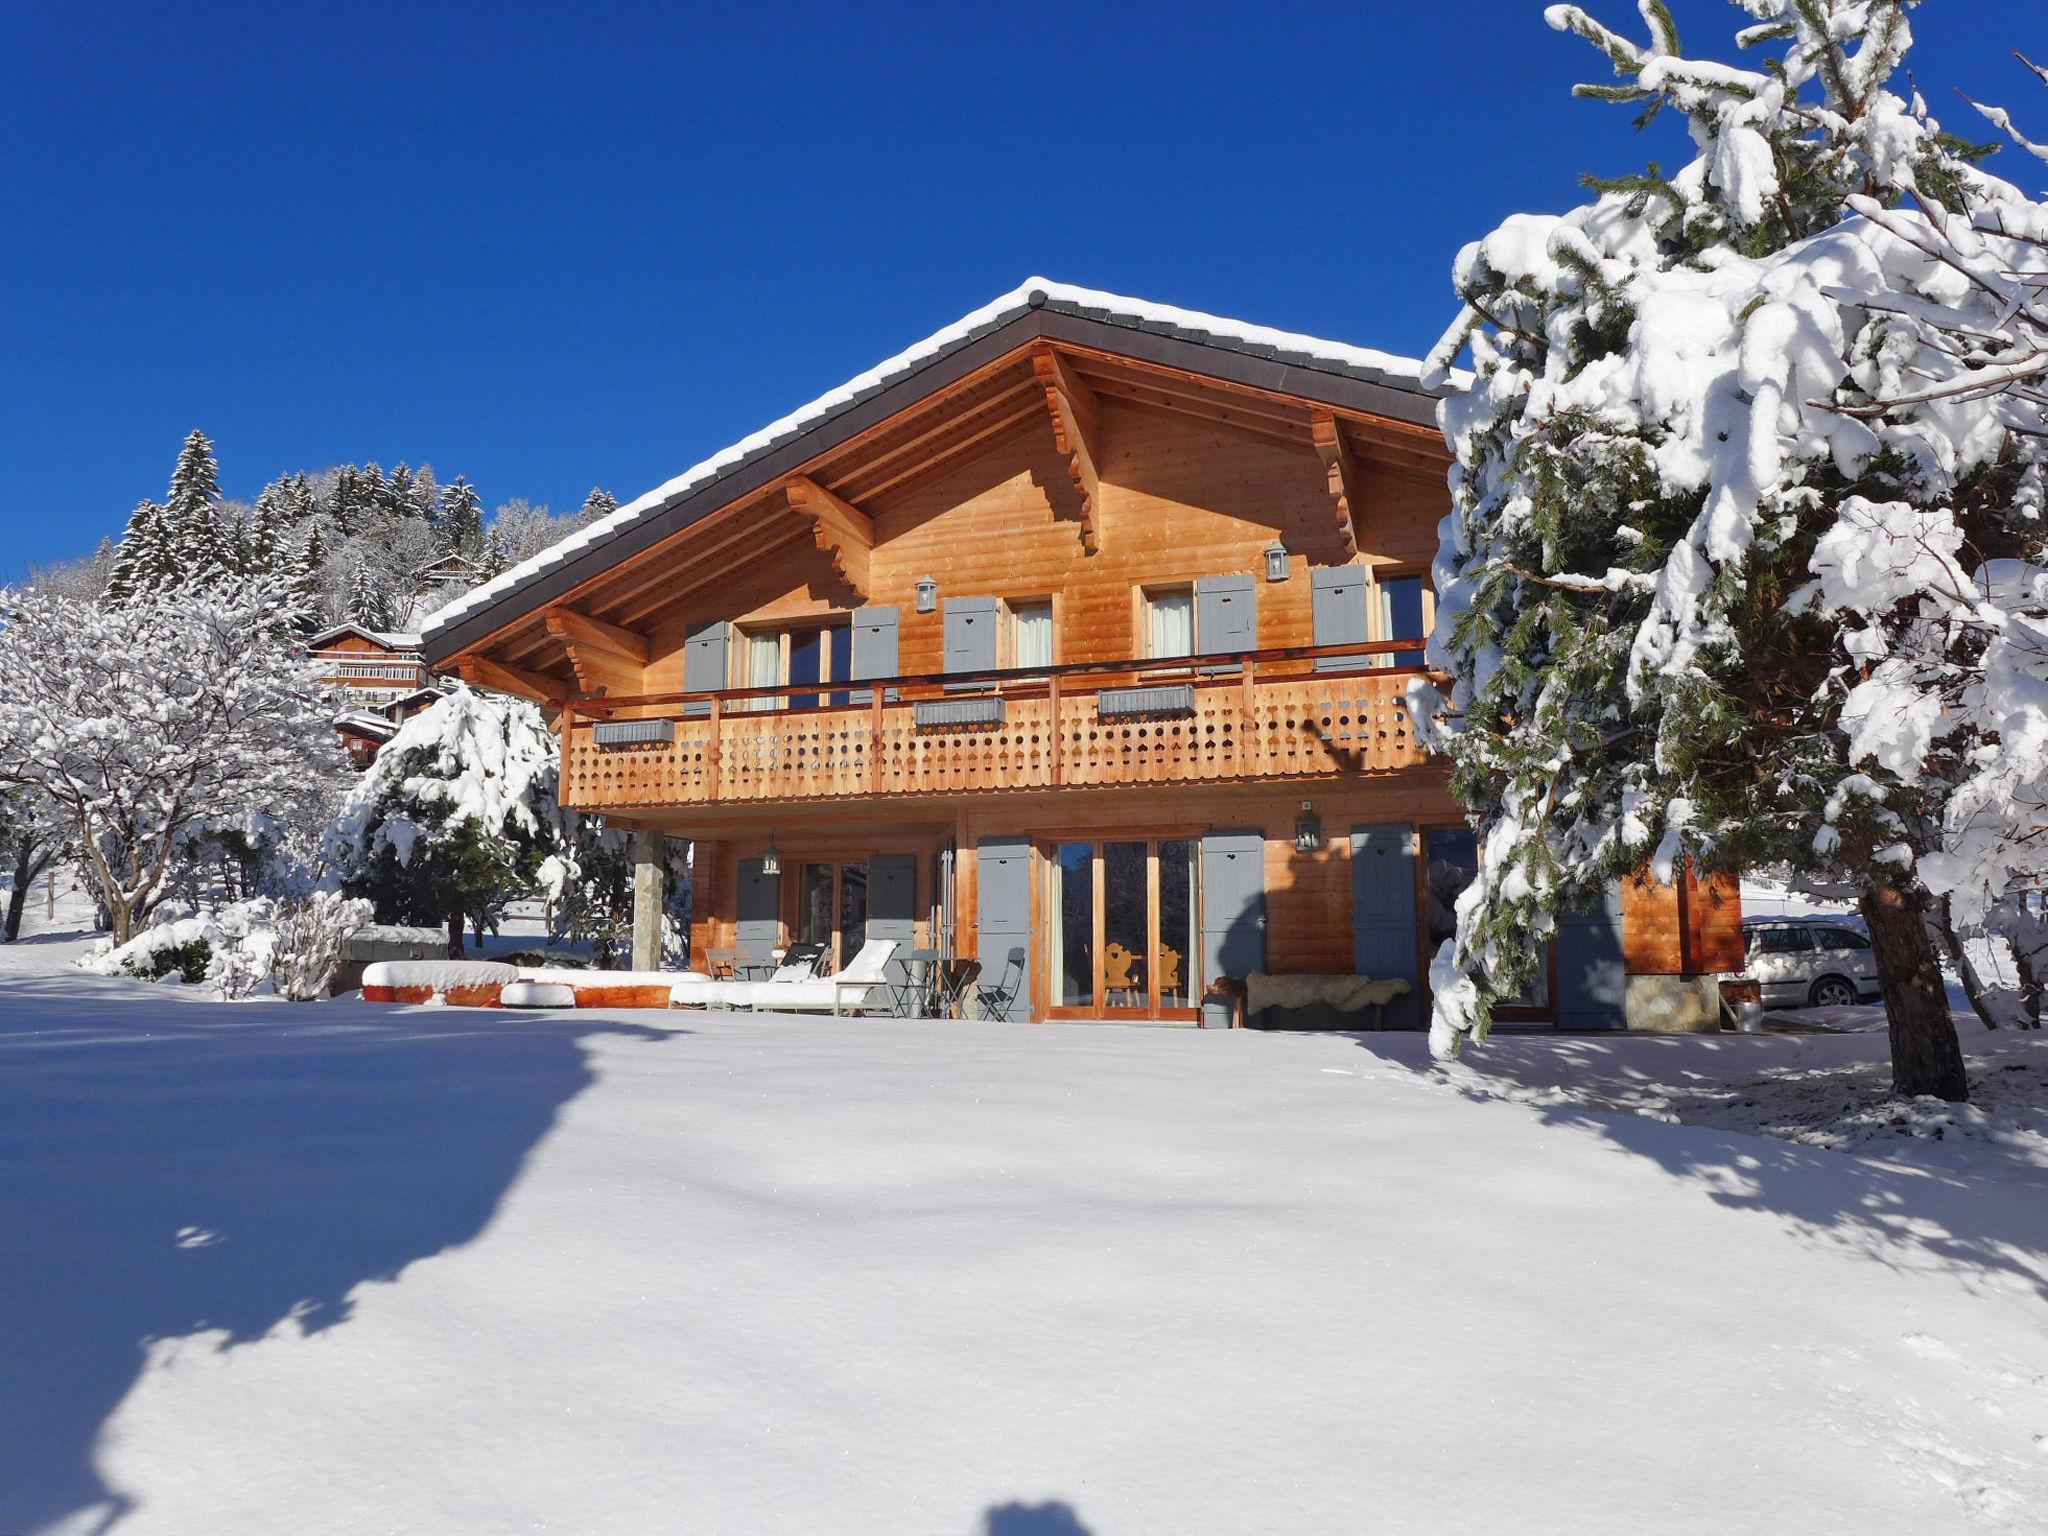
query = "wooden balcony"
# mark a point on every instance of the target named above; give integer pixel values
(1271, 715)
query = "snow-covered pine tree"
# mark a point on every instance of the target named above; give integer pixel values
(143, 560)
(462, 519)
(344, 501)
(269, 539)
(149, 720)
(456, 816)
(597, 506)
(366, 604)
(199, 537)
(309, 559)
(1667, 419)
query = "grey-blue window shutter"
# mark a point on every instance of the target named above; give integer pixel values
(705, 668)
(1384, 941)
(760, 910)
(1592, 978)
(1337, 605)
(970, 634)
(874, 647)
(1226, 615)
(1003, 923)
(892, 907)
(1233, 904)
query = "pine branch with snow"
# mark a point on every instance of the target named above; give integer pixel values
(456, 816)
(1716, 425)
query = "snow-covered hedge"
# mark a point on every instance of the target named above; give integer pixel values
(288, 946)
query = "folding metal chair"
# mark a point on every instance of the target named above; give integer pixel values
(995, 1000)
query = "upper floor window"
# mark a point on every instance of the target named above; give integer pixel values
(1405, 608)
(1031, 633)
(1170, 622)
(796, 655)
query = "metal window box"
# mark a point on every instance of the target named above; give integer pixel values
(984, 711)
(633, 733)
(1125, 703)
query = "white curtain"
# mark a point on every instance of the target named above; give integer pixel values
(1173, 624)
(764, 666)
(1056, 926)
(1033, 635)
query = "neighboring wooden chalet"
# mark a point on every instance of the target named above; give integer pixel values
(383, 679)
(1074, 639)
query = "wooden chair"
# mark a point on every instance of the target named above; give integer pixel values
(1169, 974)
(721, 963)
(1116, 975)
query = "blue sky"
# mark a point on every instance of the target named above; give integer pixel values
(555, 248)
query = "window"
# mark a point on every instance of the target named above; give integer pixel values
(832, 909)
(1404, 610)
(1450, 858)
(1170, 623)
(797, 655)
(1779, 941)
(1031, 634)
(1839, 938)
(1123, 920)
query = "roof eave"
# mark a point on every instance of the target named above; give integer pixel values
(1300, 375)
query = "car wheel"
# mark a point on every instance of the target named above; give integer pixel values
(1833, 992)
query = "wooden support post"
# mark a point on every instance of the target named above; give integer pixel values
(1059, 773)
(1247, 721)
(875, 741)
(649, 855)
(714, 749)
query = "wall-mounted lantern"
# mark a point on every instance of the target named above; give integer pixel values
(771, 858)
(1308, 829)
(927, 594)
(1276, 561)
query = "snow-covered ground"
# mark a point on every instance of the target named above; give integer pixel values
(336, 1268)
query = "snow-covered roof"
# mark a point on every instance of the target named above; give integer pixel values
(1311, 352)
(397, 640)
(365, 723)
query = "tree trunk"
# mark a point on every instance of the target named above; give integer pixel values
(16, 898)
(455, 933)
(1927, 1059)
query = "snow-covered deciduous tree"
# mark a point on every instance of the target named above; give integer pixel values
(146, 720)
(1725, 507)
(310, 931)
(456, 816)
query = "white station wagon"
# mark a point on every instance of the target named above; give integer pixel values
(1800, 963)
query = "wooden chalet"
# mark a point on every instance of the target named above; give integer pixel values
(1074, 639)
(382, 679)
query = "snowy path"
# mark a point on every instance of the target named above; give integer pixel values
(485, 1274)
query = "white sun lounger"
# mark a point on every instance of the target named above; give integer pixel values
(799, 994)
(702, 992)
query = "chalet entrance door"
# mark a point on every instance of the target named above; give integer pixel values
(1123, 929)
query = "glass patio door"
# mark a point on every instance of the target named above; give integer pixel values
(1122, 928)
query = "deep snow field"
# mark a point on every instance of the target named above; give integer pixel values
(341, 1268)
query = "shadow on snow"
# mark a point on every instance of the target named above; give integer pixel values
(132, 1208)
(1054, 1518)
(1988, 1232)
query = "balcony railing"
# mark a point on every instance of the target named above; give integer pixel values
(346, 667)
(1258, 715)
